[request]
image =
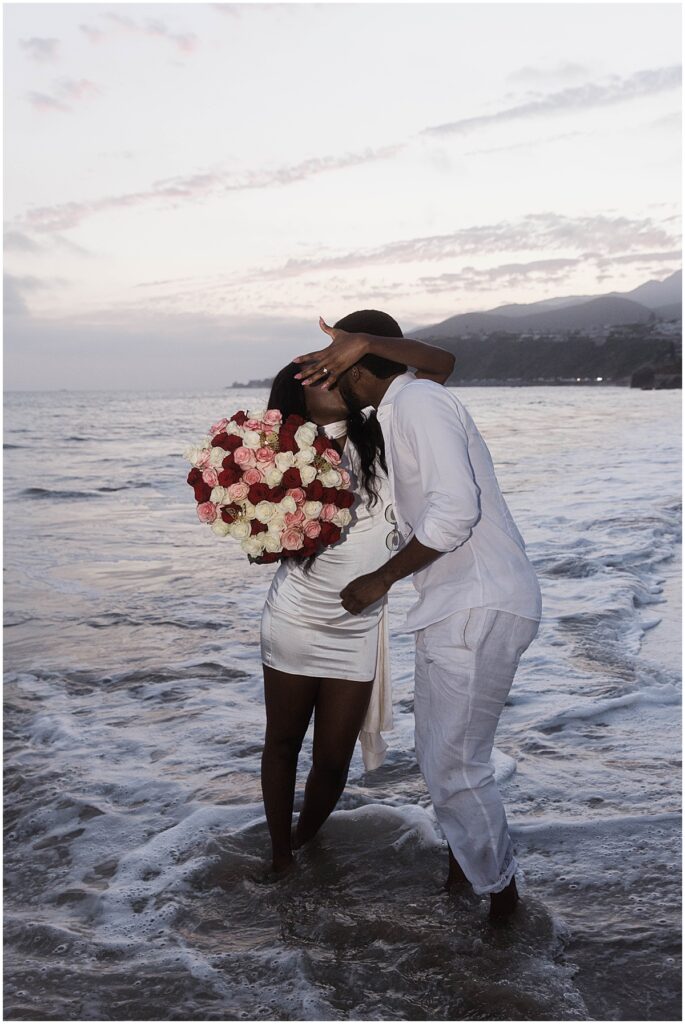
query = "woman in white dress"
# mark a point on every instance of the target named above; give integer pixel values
(317, 657)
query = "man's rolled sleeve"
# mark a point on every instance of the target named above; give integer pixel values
(429, 423)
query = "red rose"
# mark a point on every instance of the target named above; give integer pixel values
(229, 476)
(194, 475)
(220, 440)
(228, 462)
(268, 556)
(321, 444)
(314, 491)
(239, 418)
(328, 496)
(202, 491)
(287, 442)
(330, 533)
(258, 527)
(228, 512)
(258, 492)
(294, 421)
(344, 499)
(292, 478)
(277, 494)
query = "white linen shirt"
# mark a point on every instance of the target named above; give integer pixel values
(446, 494)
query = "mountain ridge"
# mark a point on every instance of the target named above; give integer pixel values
(569, 313)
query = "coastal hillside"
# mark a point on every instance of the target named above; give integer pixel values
(615, 338)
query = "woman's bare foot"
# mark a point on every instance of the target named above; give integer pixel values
(503, 903)
(283, 864)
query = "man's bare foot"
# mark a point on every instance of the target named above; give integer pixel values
(503, 903)
(455, 876)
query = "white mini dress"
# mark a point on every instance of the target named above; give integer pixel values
(305, 630)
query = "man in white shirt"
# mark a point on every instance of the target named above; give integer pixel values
(478, 606)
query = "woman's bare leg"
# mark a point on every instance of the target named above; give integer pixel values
(340, 709)
(289, 701)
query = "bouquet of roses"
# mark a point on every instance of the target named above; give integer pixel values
(275, 485)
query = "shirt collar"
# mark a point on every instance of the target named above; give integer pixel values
(396, 385)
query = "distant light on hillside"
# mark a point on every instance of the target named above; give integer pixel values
(599, 378)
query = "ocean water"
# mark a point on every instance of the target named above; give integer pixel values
(134, 834)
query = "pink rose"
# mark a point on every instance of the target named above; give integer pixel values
(292, 538)
(332, 456)
(244, 457)
(294, 518)
(311, 528)
(328, 512)
(211, 477)
(236, 492)
(264, 454)
(297, 494)
(217, 428)
(273, 417)
(345, 477)
(252, 424)
(206, 512)
(203, 458)
(252, 475)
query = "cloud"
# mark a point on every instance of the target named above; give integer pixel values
(185, 42)
(15, 287)
(534, 232)
(62, 216)
(583, 97)
(92, 34)
(47, 104)
(18, 241)
(72, 89)
(40, 48)
(506, 274)
(78, 89)
(529, 75)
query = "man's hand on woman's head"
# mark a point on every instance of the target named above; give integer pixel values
(326, 365)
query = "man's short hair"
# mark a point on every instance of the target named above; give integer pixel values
(374, 321)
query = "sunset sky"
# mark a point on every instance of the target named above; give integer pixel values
(188, 186)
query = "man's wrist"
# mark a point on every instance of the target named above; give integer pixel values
(387, 574)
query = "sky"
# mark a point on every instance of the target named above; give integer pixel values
(188, 186)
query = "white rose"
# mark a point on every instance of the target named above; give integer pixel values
(265, 511)
(331, 478)
(287, 504)
(256, 414)
(218, 495)
(216, 458)
(304, 457)
(273, 477)
(239, 530)
(272, 541)
(248, 508)
(308, 473)
(276, 525)
(251, 439)
(234, 428)
(221, 529)
(342, 517)
(305, 435)
(284, 460)
(253, 546)
(312, 509)
(192, 454)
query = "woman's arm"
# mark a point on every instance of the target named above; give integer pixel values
(346, 348)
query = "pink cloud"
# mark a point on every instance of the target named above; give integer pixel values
(40, 48)
(47, 104)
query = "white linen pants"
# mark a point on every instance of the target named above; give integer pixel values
(465, 665)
